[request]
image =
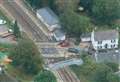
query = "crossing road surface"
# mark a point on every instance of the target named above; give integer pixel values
(64, 63)
(24, 21)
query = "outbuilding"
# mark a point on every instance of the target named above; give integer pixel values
(86, 37)
(49, 18)
(59, 35)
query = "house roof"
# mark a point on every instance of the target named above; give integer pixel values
(48, 16)
(86, 35)
(106, 35)
(59, 33)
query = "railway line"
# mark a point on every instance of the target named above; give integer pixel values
(66, 75)
(25, 22)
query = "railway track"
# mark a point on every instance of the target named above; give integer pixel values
(66, 75)
(25, 21)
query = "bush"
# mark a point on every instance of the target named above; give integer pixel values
(45, 76)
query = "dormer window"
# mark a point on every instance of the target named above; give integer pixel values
(112, 41)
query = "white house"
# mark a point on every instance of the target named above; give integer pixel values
(49, 18)
(105, 39)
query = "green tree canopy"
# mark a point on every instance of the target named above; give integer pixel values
(41, 3)
(45, 76)
(113, 78)
(75, 24)
(113, 66)
(16, 30)
(87, 4)
(63, 5)
(95, 72)
(106, 11)
(101, 73)
(26, 56)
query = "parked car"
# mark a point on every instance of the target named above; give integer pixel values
(73, 50)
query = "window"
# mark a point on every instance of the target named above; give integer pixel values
(112, 41)
(99, 42)
(99, 47)
(113, 46)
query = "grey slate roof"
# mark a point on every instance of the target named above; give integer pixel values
(59, 33)
(106, 35)
(86, 35)
(48, 15)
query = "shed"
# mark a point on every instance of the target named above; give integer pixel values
(59, 35)
(49, 18)
(86, 37)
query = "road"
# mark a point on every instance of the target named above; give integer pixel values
(65, 63)
(24, 21)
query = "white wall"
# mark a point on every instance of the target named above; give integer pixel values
(59, 38)
(104, 42)
(108, 42)
(86, 39)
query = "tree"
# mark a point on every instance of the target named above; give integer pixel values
(63, 5)
(36, 4)
(106, 11)
(113, 66)
(45, 76)
(113, 78)
(94, 72)
(75, 24)
(26, 56)
(16, 30)
(101, 73)
(87, 4)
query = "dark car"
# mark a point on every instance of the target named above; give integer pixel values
(73, 50)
